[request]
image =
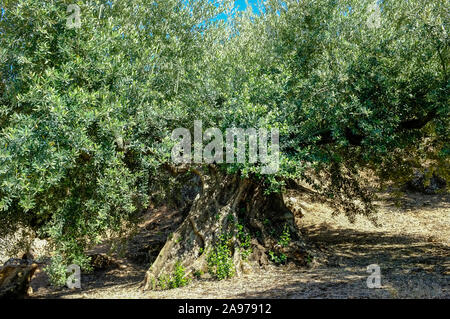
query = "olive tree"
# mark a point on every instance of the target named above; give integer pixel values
(88, 108)
(351, 86)
(89, 93)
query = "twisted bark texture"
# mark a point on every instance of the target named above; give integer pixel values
(224, 200)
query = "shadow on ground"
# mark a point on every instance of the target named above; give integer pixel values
(410, 267)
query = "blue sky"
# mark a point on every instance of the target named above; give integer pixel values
(241, 3)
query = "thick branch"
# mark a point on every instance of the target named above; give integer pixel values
(417, 124)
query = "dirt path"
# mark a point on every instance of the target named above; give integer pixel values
(411, 247)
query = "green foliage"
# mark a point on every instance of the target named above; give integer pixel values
(57, 269)
(277, 258)
(309, 259)
(230, 218)
(285, 237)
(220, 259)
(57, 272)
(177, 279)
(198, 274)
(163, 282)
(345, 96)
(244, 241)
(283, 241)
(86, 114)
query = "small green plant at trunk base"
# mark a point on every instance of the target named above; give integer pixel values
(198, 274)
(277, 259)
(245, 241)
(179, 278)
(176, 280)
(285, 237)
(220, 261)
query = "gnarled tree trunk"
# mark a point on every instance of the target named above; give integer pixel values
(224, 202)
(15, 280)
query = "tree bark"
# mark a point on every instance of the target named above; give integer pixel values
(224, 201)
(15, 280)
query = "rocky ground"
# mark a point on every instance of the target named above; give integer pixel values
(411, 247)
